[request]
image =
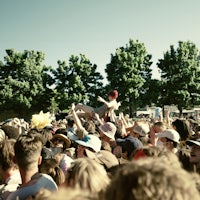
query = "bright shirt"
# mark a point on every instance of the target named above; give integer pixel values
(11, 185)
(37, 182)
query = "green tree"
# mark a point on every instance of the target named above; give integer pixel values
(151, 93)
(21, 81)
(76, 81)
(128, 71)
(180, 75)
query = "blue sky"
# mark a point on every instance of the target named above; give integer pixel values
(96, 27)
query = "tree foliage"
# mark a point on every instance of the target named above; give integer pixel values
(180, 74)
(21, 81)
(128, 71)
(76, 81)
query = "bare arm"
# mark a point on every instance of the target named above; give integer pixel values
(98, 119)
(76, 118)
(108, 104)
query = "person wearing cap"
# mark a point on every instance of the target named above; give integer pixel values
(129, 145)
(140, 130)
(108, 106)
(170, 139)
(107, 133)
(195, 152)
(91, 142)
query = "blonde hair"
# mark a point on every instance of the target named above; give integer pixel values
(151, 179)
(87, 174)
(163, 154)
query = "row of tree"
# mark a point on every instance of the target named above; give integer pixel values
(28, 86)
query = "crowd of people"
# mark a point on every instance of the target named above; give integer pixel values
(95, 154)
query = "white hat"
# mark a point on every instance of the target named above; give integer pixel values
(192, 142)
(141, 129)
(90, 141)
(170, 134)
(108, 129)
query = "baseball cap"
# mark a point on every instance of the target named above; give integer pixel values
(90, 141)
(170, 134)
(108, 129)
(142, 129)
(129, 144)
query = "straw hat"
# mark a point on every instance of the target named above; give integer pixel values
(63, 138)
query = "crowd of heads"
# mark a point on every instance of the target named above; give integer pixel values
(88, 157)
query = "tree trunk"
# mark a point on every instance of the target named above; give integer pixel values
(130, 107)
(180, 111)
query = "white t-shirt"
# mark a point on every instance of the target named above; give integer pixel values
(11, 185)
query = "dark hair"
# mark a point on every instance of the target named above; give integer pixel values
(7, 154)
(175, 144)
(182, 128)
(27, 150)
(61, 131)
(70, 122)
(184, 158)
(10, 131)
(51, 167)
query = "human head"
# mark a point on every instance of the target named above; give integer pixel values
(10, 131)
(113, 95)
(28, 151)
(62, 141)
(195, 150)
(162, 153)
(70, 123)
(129, 146)
(87, 174)
(107, 131)
(89, 126)
(151, 179)
(159, 127)
(141, 130)
(170, 138)
(90, 142)
(51, 167)
(105, 158)
(182, 127)
(7, 155)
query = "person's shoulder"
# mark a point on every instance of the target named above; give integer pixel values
(47, 182)
(6, 190)
(41, 181)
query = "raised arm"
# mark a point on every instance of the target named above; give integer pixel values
(108, 104)
(76, 118)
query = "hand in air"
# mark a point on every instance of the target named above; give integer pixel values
(73, 106)
(96, 116)
(100, 99)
